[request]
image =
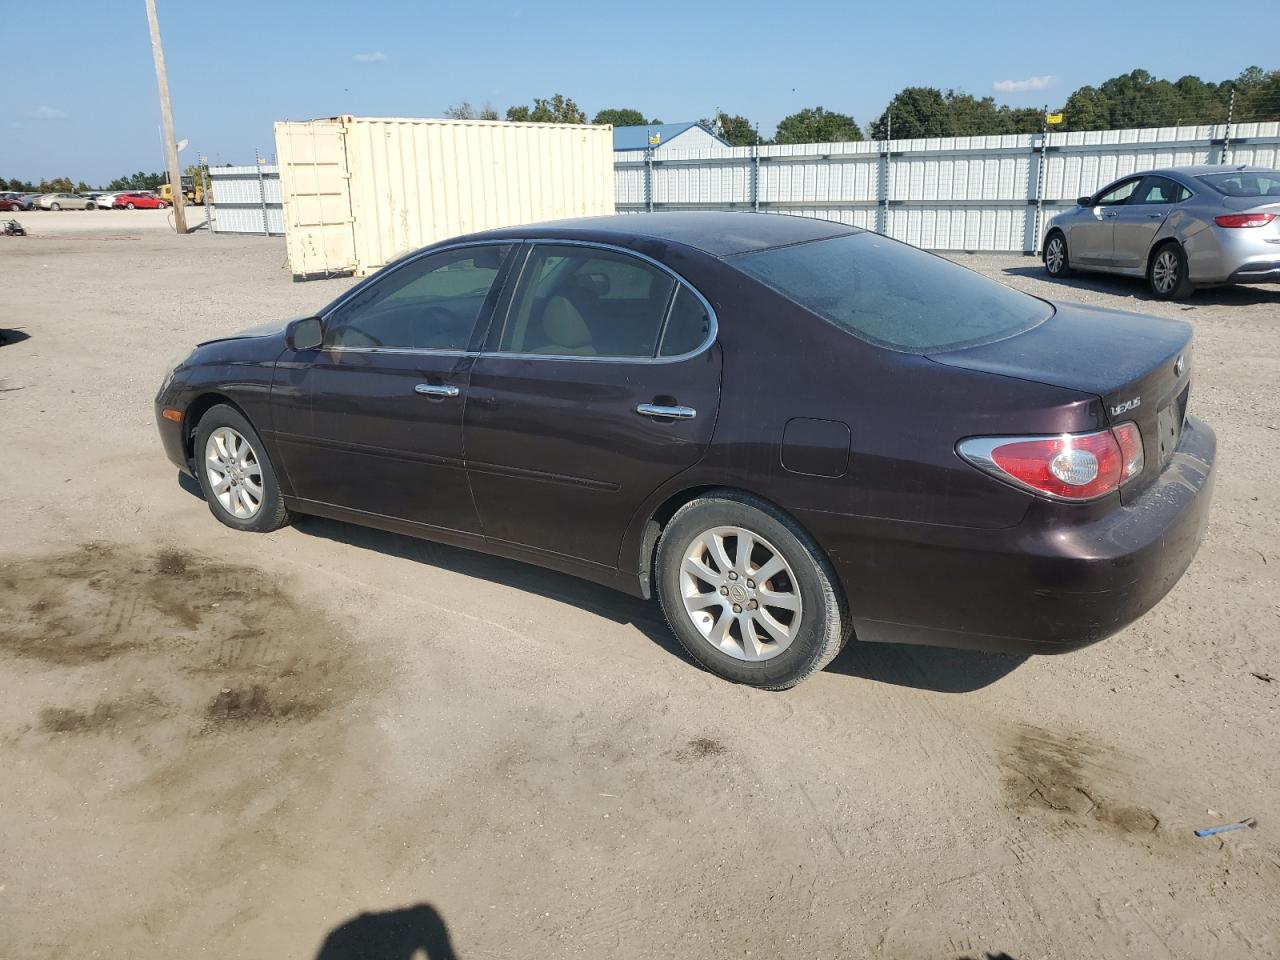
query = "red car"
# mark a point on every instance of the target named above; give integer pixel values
(9, 203)
(140, 201)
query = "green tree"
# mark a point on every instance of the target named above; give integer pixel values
(82, 187)
(734, 129)
(1257, 95)
(817, 125)
(559, 109)
(56, 185)
(1086, 109)
(139, 181)
(622, 117)
(913, 112)
(465, 111)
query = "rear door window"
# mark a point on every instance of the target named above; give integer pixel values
(1154, 190)
(893, 295)
(575, 301)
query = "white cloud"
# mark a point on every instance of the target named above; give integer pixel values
(375, 57)
(1023, 86)
(44, 112)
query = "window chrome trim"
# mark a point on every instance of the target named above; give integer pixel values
(713, 322)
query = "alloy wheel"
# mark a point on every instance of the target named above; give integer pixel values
(1164, 272)
(1055, 255)
(740, 593)
(235, 475)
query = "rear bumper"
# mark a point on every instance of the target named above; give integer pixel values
(1227, 255)
(1044, 586)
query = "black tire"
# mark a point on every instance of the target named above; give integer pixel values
(1063, 268)
(271, 513)
(54, 206)
(824, 624)
(1169, 257)
(91, 205)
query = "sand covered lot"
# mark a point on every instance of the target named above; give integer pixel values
(219, 744)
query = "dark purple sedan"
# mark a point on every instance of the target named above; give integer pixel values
(794, 432)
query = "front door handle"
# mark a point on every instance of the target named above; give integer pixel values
(666, 412)
(1155, 216)
(1110, 214)
(437, 390)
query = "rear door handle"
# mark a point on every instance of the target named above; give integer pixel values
(437, 390)
(1155, 216)
(670, 413)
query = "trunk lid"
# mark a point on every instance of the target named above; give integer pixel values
(1130, 362)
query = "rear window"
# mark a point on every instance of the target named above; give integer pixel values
(894, 295)
(1245, 183)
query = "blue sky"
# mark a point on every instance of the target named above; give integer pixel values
(82, 102)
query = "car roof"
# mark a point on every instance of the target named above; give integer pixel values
(1199, 169)
(718, 233)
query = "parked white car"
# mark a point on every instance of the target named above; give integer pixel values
(105, 200)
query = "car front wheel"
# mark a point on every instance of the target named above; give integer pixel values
(54, 206)
(235, 475)
(747, 593)
(1168, 275)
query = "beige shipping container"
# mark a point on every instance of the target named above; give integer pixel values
(360, 191)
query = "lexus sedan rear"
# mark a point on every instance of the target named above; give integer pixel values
(793, 432)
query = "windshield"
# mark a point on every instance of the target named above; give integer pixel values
(894, 295)
(1245, 183)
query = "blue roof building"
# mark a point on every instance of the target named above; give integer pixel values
(664, 136)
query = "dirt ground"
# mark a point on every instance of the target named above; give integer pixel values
(219, 744)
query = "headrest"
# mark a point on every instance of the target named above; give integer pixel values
(563, 324)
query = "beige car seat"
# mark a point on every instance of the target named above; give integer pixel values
(567, 333)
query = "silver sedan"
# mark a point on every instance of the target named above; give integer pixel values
(1181, 228)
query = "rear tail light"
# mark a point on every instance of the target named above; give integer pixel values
(1070, 466)
(1244, 219)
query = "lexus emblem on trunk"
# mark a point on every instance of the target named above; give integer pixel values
(1179, 365)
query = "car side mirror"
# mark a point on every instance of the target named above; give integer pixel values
(1085, 201)
(304, 334)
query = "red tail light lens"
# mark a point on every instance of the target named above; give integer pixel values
(1071, 466)
(1244, 219)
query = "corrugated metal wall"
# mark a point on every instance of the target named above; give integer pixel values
(359, 192)
(246, 199)
(959, 193)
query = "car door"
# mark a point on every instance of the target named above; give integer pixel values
(1092, 237)
(601, 383)
(1139, 219)
(372, 421)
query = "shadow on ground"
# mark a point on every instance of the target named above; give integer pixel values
(601, 601)
(393, 935)
(1136, 288)
(924, 668)
(12, 336)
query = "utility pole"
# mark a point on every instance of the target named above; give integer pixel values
(1225, 156)
(166, 116)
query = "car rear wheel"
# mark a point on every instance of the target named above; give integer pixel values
(1056, 261)
(128, 206)
(237, 479)
(747, 593)
(54, 206)
(91, 205)
(1168, 275)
